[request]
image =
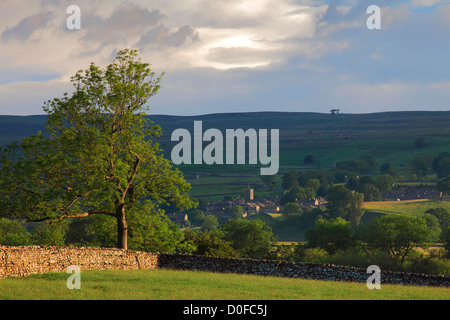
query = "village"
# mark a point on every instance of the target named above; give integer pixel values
(222, 209)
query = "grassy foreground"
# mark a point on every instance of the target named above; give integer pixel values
(181, 285)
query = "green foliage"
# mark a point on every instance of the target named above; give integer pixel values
(251, 238)
(12, 233)
(211, 244)
(98, 154)
(397, 235)
(361, 165)
(297, 193)
(384, 182)
(441, 165)
(156, 233)
(210, 222)
(443, 185)
(291, 209)
(346, 204)
(331, 235)
(370, 192)
(53, 234)
(290, 180)
(446, 239)
(303, 253)
(422, 163)
(237, 211)
(442, 215)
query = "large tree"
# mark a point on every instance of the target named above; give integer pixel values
(398, 234)
(98, 154)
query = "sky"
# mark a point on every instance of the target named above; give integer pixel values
(235, 56)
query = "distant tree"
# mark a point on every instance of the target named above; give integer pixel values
(371, 192)
(308, 159)
(384, 182)
(356, 209)
(331, 235)
(12, 233)
(339, 201)
(346, 204)
(290, 180)
(196, 216)
(446, 239)
(441, 165)
(443, 186)
(210, 244)
(210, 222)
(297, 194)
(291, 209)
(361, 165)
(420, 143)
(50, 234)
(397, 234)
(251, 238)
(442, 215)
(433, 224)
(237, 211)
(227, 198)
(352, 184)
(313, 184)
(366, 180)
(422, 163)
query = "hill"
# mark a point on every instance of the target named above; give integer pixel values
(386, 137)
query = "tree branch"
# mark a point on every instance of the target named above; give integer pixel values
(78, 215)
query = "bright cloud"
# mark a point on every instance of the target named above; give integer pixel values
(234, 55)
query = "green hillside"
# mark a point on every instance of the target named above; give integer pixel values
(386, 137)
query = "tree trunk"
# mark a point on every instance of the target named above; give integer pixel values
(122, 230)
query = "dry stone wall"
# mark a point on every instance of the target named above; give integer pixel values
(295, 270)
(23, 261)
(26, 260)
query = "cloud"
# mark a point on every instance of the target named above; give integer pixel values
(126, 21)
(26, 27)
(239, 55)
(160, 37)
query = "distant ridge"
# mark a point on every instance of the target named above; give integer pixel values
(292, 125)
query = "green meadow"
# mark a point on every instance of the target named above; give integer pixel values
(193, 285)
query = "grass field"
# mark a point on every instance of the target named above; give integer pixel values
(188, 285)
(415, 207)
(409, 207)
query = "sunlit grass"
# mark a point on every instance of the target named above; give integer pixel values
(409, 206)
(181, 285)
